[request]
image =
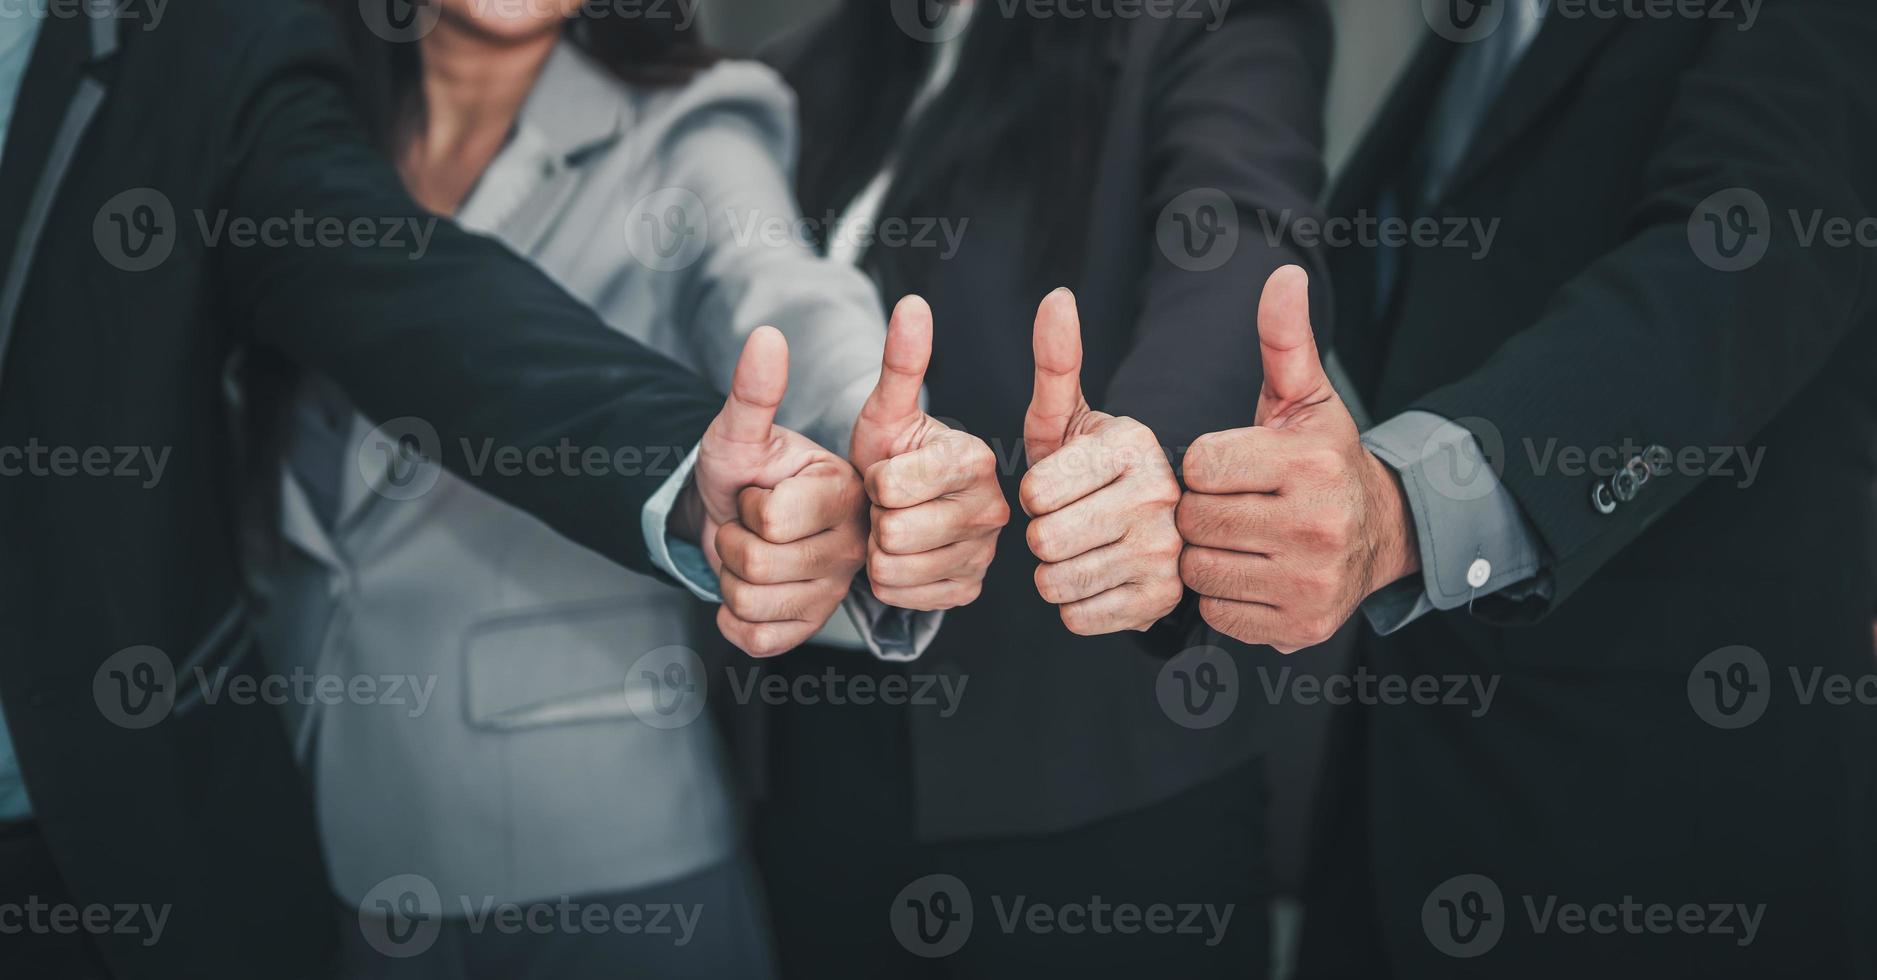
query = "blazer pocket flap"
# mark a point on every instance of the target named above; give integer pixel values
(564, 665)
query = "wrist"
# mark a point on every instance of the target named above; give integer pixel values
(1396, 549)
(687, 519)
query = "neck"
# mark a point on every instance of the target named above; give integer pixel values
(473, 88)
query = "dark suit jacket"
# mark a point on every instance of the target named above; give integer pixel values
(1594, 321)
(238, 110)
(1054, 730)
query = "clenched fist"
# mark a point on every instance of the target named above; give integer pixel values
(1291, 523)
(1100, 494)
(781, 519)
(937, 506)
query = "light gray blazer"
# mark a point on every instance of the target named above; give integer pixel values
(531, 772)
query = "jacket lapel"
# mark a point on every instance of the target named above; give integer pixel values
(81, 104)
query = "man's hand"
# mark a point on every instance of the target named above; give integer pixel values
(1100, 494)
(782, 519)
(937, 506)
(1290, 524)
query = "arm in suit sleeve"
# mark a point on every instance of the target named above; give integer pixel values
(1654, 346)
(734, 153)
(466, 336)
(1239, 111)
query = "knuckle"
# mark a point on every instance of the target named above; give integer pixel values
(1078, 621)
(1045, 577)
(1317, 630)
(1165, 544)
(1163, 493)
(979, 460)
(755, 564)
(893, 532)
(766, 641)
(1321, 461)
(996, 514)
(1042, 540)
(1032, 492)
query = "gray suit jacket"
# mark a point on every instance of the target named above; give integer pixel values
(550, 757)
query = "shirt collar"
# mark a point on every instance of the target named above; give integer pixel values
(575, 105)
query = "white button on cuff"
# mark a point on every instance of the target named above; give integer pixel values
(1478, 572)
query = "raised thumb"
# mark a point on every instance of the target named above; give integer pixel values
(756, 390)
(1292, 370)
(1056, 400)
(894, 402)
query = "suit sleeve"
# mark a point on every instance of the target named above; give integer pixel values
(458, 332)
(1686, 335)
(758, 267)
(1236, 116)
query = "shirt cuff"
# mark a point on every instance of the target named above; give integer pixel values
(1473, 540)
(887, 632)
(681, 560)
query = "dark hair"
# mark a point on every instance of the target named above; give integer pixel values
(1025, 109)
(643, 50)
